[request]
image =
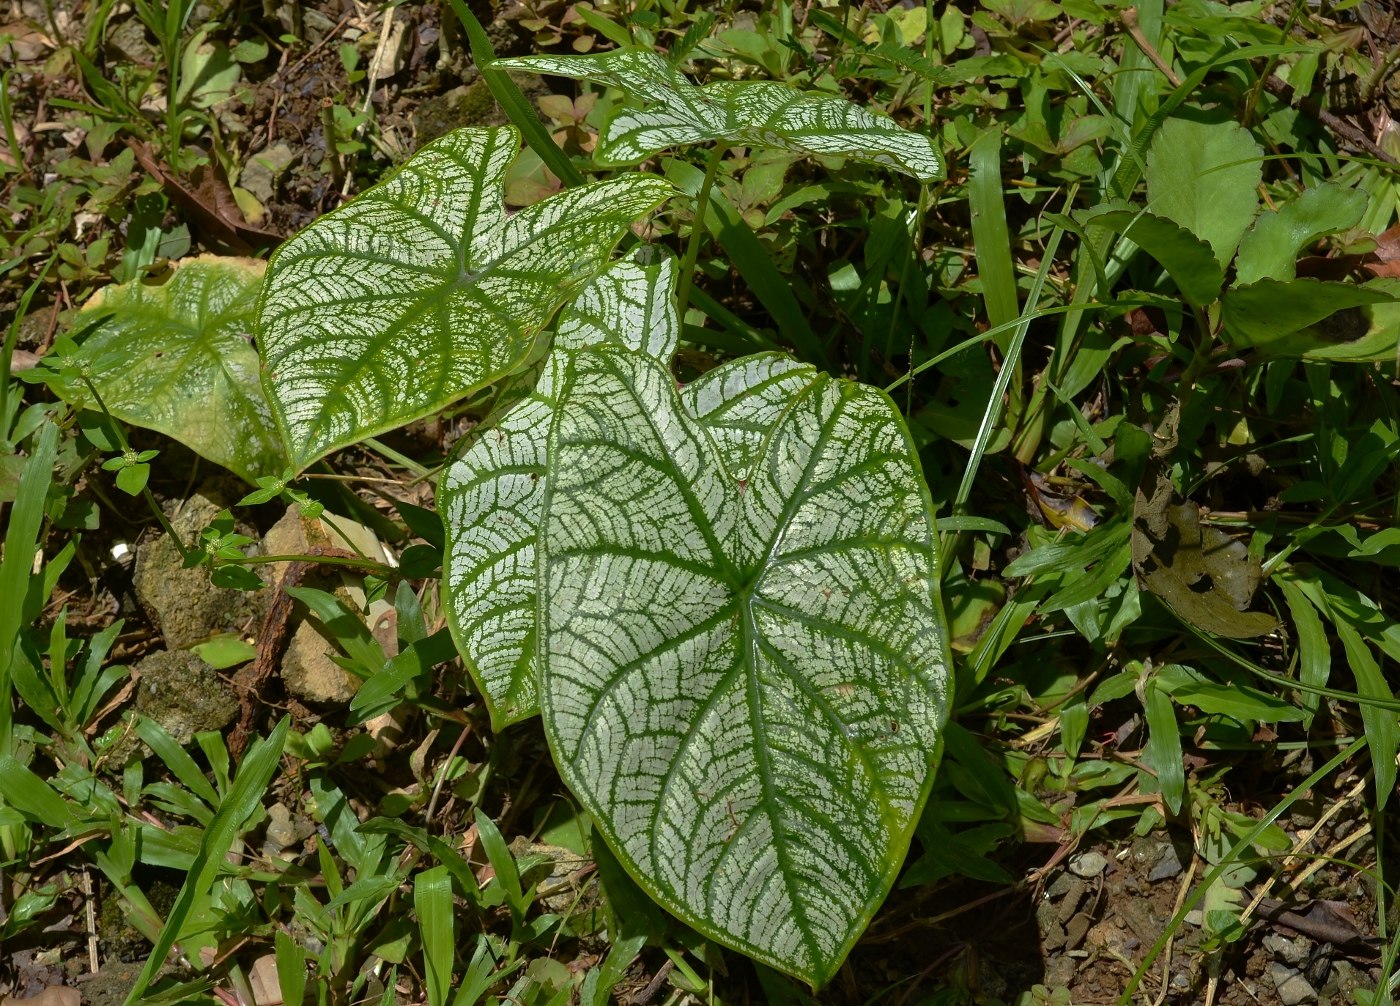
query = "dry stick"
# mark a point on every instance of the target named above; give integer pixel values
(1130, 21)
(1303, 841)
(1280, 89)
(1167, 950)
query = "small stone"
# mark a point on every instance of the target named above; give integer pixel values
(1293, 988)
(183, 694)
(1180, 981)
(1293, 951)
(1088, 864)
(1167, 867)
(284, 830)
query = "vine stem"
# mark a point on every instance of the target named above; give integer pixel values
(697, 228)
(115, 429)
(324, 560)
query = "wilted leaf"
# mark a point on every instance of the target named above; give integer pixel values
(1203, 575)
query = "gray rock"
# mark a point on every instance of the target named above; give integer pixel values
(1293, 988)
(1167, 867)
(1293, 951)
(309, 672)
(183, 694)
(1088, 864)
(182, 603)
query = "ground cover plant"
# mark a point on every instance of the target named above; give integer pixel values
(772, 503)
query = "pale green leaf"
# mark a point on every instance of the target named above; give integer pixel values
(423, 289)
(1315, 319)
(1269, 249)
(177, 357)
(743, 680)
(1205, 176)
(491, 497)
(675, 112)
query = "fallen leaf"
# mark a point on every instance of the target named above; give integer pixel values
(1206, 577)
(208, 200)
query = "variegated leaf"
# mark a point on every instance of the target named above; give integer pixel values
(491, 497)
(423, 289)
(177, 357)
(739, 402)
(743, 679)
(755, 113)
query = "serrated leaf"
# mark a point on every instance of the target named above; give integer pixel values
(1188, 259)
(743, 680)
(675, 112)
(492, 496)
(1269, 249)
(1205, 177)
(422, 289)
(176, 357)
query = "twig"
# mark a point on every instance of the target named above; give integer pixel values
(1281, 89)
(1130, 21)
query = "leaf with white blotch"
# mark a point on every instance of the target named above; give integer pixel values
(742, 679)
(176, 357)
(675, 112)
(740, 401)
(423, 289)
(491, 498)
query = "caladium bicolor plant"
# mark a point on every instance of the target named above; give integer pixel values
(721, 598)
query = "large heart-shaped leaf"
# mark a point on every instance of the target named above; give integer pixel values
(492, 497)
(177, 357)
(423, 289)
(743, 678)
(755, 113)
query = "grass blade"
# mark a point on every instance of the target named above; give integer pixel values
(991, 242)
(254, 775)
(21, 544)
(432, 900)
(513, 101)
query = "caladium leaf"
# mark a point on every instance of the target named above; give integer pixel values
(491, 497)
(754, 113)
(742, 679)
(177, 357)
(423, 289)
(739, 402)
